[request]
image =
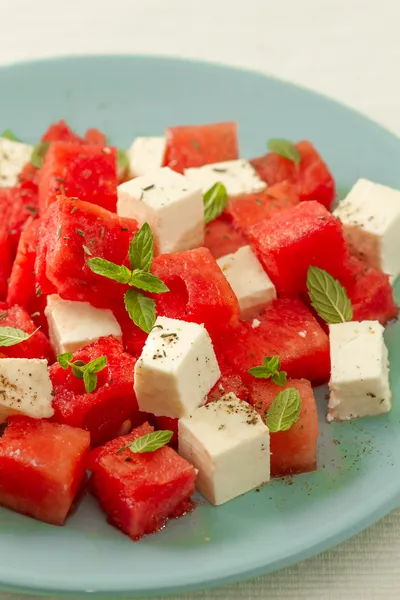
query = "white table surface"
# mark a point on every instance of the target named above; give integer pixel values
(347, 49)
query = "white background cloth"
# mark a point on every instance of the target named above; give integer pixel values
(347, 49)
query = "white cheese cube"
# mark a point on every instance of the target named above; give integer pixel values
(359, 385)
(227, 441)
(252, 286)
(13, 158)
(146, 155)
(176, 370)
(73, 325)
(25, 388)
(370, 214)
(172, 206)
(238, 176)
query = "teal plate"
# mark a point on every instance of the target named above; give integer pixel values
(358, 480)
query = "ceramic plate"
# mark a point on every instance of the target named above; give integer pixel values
(359, 463)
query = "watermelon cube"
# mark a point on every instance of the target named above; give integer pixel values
(17, 204)
(306, 235)
(22, 284)
(83, 171)
(311, 177)
(196, 145)
(221, 238)
(287, 329)
(113, 403)
(37, 346)
(5, 262)
(42, 468)
(295, 450)
(139, 492)
(72, 231)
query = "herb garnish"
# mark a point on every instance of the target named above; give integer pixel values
(10, 336)
(328, 297)
(215, 201)
(270, 369)
(10, 135)
(284, 411)
(84, 371)
(284, 148)
(122, 161)
(150, 442)
(38, 154)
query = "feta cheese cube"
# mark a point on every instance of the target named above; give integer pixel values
(25, 388)
(238, 176)
(359, 384)
(252, 286)
(371, 218)
(172, 206)
(176, 370)
(146, 155)
(13, 158)
(227, 441)
(73, 325)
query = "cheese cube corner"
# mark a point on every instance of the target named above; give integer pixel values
(227, 441)
(176, 370)
(13, 158)
(238, 176)
(172, 206)
(359, 384)
(251, 284)
(145, 155)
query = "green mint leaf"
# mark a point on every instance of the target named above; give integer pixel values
(142, 310)
(270, 366)
(328, 297)
(9, 135)
(103, 267)
(141, 249)
(38, 154)
(96, 365)
(279, 378)
(215, 201)
(150, 442)
(9, 336)
(78, 368)
(122, 161)
(147, 282)
(284, 411)
(284, 148)
(64, 359)
(90, 381)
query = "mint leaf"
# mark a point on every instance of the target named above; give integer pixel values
(77, 368)
(142, 310)
(96, 365)
(147, 282)
(279, 378)
(64, 359)
(284, 148)
(215, 201)
(9, 336)
(270, 366)
(104, 267)
(9, 135)
(122, 161)
(141, 249)
(328, 297)
(150, 442)
(284, 411)
(90, 381)
(39, 153)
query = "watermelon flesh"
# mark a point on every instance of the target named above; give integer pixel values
(221, 238)
(37, 346)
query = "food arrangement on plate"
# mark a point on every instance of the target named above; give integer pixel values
(165, 312)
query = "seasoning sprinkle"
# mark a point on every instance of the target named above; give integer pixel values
(74, 209)
(80, 232)
(102, 232)
(59, 232)
(148, 187)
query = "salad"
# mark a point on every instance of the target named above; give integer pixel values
(165, 312)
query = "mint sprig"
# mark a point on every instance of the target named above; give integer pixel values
(270, 369)
(82, 370)
(284, 411)
(10, 135)
(39, 153)
(284, 148)
(140, 308)
(215, 201)
(328, 297)
(10, 336)
(150, 442)
(122, 161)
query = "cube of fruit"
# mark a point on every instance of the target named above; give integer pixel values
(71, 232)
(370, 214)
(139, 492)
(238, 177)
(73, 325)
(221, 238)
(21, 288)
(146, 155)
(37, 346)
(359, 384)
(42, 468)
(86, 172)
(171, 204)
(176, 370)
(252, 286)
(61, 132)
(103, 411)
(292, 241)
(17, 204)
(311, 177)
(5, 262)
(228, 443)
(196, 145)
(294, 450)
(13, 157)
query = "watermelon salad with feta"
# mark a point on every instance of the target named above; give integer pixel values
(165, 312)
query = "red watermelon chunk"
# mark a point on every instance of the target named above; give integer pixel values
(139, 492)
(113, 403)
(42, 468)
(83, 171)
(5, 262)
(17, 204)
(196, 145)
(61, 132)
(300, 237)
(287, 329)
(221, 238)
(249, 209)
(69, 230)
(22, 284)
(312, 177)
(37, 346)
(295, 450)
